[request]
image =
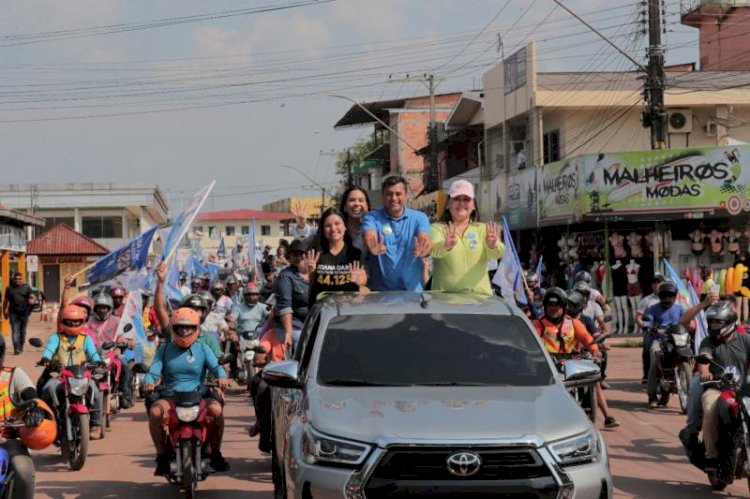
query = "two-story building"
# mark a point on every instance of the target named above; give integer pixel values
(234, 226)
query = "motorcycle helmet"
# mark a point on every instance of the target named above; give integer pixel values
(185, 325)
(217, 288)
(583, 288)
(196, 284)
(72, 319)
(103, 306)
(42, 436)
(575, 303)
(531, 278)
(722, 320)
(85, 303)
(208, 298)
(118, 295)
(183, 277)
(251, 293)
(667, 293)
(555, 296)
(197, 303)
(583, 276)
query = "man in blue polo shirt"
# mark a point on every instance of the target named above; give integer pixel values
(397, 238)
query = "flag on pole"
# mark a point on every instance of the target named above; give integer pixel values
(133, 315)
(251, 249)
(213, 271)
(221, 252)
(539, 268)
(131, 256)
(184, 220)
(701, 328)
(683, 297)
(508, 276)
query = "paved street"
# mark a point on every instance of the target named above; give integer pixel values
(647, 460)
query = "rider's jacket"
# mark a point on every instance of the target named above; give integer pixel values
(68, 354)
(7, 409)
(570, 336)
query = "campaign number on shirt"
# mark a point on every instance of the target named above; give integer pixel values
(333, 280)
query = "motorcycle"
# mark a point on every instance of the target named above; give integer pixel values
(109, 384)
(581, 376)
(74, 413)
(675, 364)
(187, 429)
(249, 340)
(734, 430)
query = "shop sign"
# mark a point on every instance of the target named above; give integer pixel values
(12, 238)
(560, 187)
(32, 263)
(521, 199)
(673, 181)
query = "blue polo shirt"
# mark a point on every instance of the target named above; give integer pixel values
(397, 268)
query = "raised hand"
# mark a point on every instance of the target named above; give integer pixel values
(493, 235)
(376, 245)
(357, 274)
(69, 282)
(310, 262)
(298, 210)
(422, 245)
(450, 236)
(161, 272)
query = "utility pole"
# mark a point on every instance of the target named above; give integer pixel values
(655, 115)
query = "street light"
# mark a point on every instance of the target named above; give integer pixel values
(323, 190)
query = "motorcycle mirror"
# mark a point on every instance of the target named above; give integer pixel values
(36, 342)
(108, 345)
(128, 327)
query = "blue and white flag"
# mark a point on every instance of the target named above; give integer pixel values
(133, 314)
(221, 252)
(508, 276)
(701, 326)
(184, 220)
(172, 286)
(213, 271)
(131, 256)
(683, 298)
(539, 268)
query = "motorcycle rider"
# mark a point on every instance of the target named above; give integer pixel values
(196, 285)
(103, 323)
(534, 294)
(182, 364)
(222, 303)
(643, 305)
(666, 313)
(560, 332)
(594, 294)
(39, 432)
(72, 346)
(591, 307)
(251, 312)
(725, 346)
(118, 300)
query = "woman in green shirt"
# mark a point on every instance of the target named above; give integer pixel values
(461, 245)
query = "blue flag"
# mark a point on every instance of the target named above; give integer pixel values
(172, 284)
(683, 297)
(221, 252)
(701, 329)
(508, 275)
(184, 220)
(213, 271)
(131, 256)
(251, 249)
(539, 268)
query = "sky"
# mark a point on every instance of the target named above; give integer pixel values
(178, 93)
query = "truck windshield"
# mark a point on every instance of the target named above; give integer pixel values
(431, 349)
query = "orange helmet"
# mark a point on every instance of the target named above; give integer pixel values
(40, 437)
(186, 324)
(84, 302)
(72, 320)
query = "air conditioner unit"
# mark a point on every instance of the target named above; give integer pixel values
(711, 128)
(680, 121)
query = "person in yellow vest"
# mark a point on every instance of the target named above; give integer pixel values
(16, 390)
(72, 346)
(560, 332)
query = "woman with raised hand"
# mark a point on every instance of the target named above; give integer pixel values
(461, 245)
(336, 265)
(355, 203)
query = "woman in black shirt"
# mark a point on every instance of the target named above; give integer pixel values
(337, 266)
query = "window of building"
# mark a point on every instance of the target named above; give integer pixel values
(52, 221)
(197, 228)
(229, 230)
(265, 230)
(245, 230)
(102, 227)
(552, 146)
(211, 231)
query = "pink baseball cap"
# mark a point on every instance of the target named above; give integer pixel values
(461, 188)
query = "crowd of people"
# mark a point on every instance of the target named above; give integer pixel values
(358, 248)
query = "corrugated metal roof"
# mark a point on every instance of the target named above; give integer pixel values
(677, 81)
(215, 216)
(63, 240)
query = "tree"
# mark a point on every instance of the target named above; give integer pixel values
(355, 154)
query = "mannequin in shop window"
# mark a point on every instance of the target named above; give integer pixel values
(634, 241)
(634, 288)
(620, 293)
(733, 241)
(716, 240)
(697, 242)
(618, 245)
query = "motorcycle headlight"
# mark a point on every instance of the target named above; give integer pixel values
(322, 449)
(681, 340)
(581, 449)
(188, 414)
(78, 386)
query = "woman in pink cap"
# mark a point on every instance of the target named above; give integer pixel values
(461, 245)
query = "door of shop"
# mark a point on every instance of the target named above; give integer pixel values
(51, 279)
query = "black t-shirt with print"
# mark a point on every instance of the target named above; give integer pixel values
(332, 272)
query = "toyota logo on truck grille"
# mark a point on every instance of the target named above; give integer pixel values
(464, 464)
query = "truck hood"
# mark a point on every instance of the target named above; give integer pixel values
(382, 415)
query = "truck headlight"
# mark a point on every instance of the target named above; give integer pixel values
(187, 414)
(322, 449)
(581, 449)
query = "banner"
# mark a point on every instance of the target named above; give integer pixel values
(560, 189)
(131, 256)
(184, 220)
(521, 199)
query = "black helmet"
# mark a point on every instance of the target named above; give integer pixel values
(583, 276)
(555, 295)
(658, 277)
(531, 277)
(196, 282)
(582, 287)
(207, 298)
(576, 301)
(722, 320)
(218, 285)
(183, 276)
(231, 280)
(194, 301)
(667, 288)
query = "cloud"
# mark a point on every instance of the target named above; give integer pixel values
(213, 41)
(384, 19)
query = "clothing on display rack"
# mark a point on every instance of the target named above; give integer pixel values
(733, 241)
(697, 242)
(716, 240)
(618, 247)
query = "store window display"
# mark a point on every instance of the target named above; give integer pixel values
(633, 270)
(698, 242)
(716, 242)
(620, 300)
(635, 242)
(733, 241)
(618, 245)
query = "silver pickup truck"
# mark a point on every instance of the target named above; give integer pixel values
(400, 393)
